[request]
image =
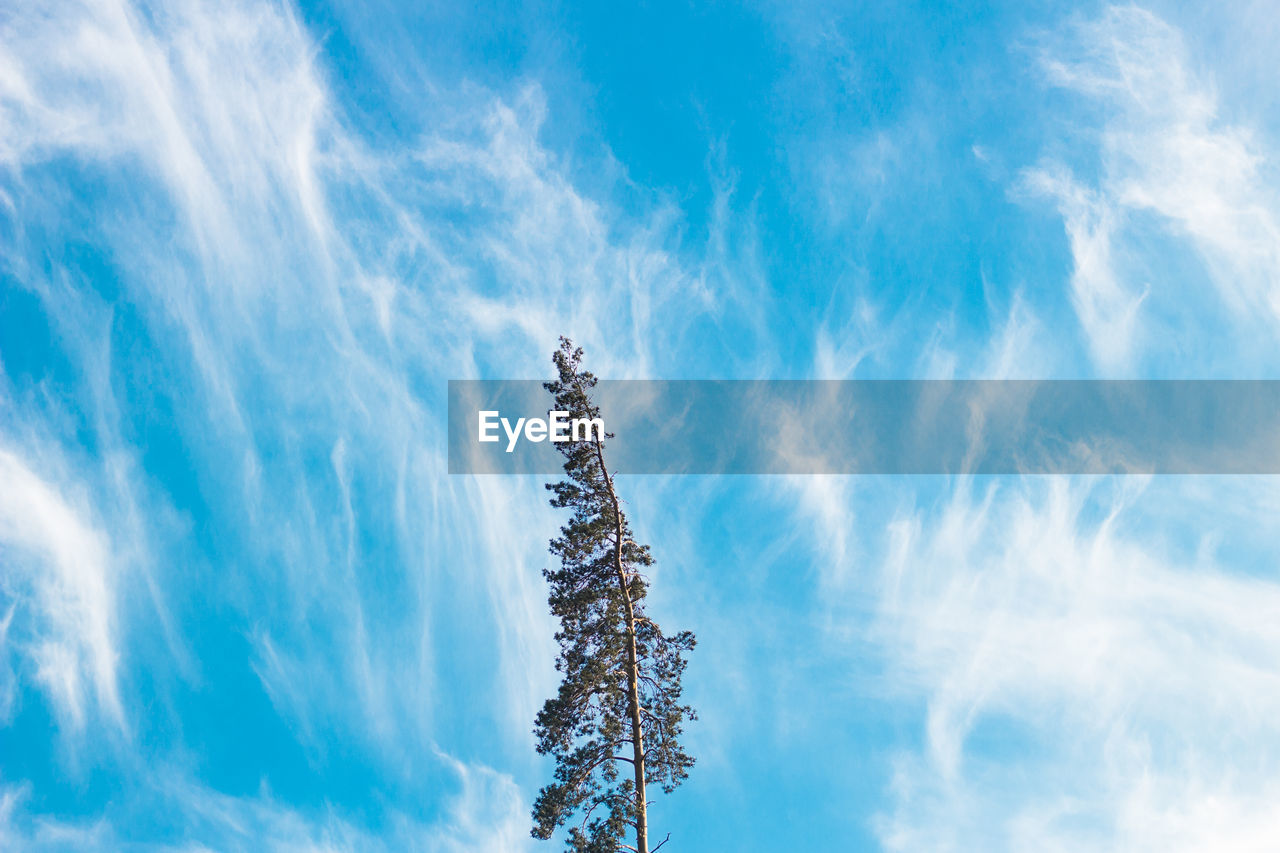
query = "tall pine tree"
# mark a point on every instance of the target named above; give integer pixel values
(614, 726)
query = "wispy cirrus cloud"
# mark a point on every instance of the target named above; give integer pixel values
(280, 300)
(1082, 689)
(1086, 671)
(59, 582)
(486, 815)
(258, 303)
(1172, 172)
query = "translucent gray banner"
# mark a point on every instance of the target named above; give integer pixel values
(881, 427)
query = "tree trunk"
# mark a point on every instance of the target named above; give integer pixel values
(633, 665)
(637, 732)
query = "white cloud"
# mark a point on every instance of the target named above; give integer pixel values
(487, 814)
(304, 294)
(1164, 152)
(1081, 690)
(58, 564)
(1108, 307)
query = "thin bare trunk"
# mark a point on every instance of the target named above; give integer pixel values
(633, 666)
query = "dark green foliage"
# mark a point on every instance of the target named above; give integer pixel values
(618, 668)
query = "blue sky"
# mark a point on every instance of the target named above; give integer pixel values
(243, 247)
